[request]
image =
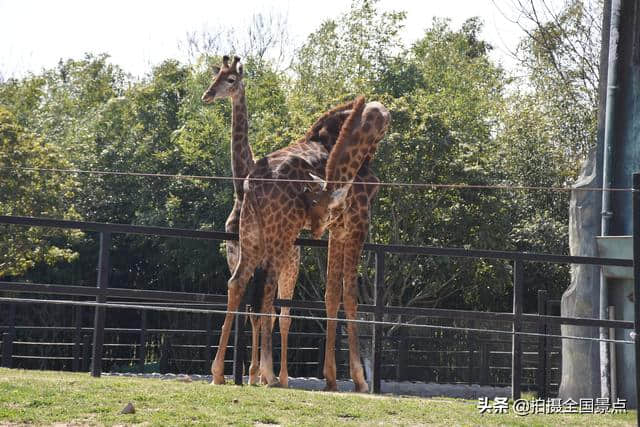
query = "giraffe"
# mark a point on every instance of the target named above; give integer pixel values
(273, 213)
(228, 83)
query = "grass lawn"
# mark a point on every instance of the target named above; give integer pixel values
(45, 397)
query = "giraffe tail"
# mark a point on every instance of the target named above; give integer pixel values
(257, 292)
(251, 203)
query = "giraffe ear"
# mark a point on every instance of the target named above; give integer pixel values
(239, 69)
(317, 179)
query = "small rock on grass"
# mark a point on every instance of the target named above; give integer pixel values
(129, 409)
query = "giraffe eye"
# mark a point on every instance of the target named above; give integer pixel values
(231, 80)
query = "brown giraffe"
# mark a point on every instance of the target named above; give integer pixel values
(273, 213)
(227, 83)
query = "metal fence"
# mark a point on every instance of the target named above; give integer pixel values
(148, 345)
(102, 292)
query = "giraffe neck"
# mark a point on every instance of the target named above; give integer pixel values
(241, 155)
(349, 152)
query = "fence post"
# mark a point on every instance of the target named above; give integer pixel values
(471, 344)
(142, 355)
(320, 373)
(209, 343)
(165, 349)
(77, 339)
(9, 337)
(86, 351)
(516, 354)
(484, 363)
(378, 302)
(338, 345)
(98, 323)
(403, 356)
(541, 373)
(7, 349)
(636, 281)
(12, 320)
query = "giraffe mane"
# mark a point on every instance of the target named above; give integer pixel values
(317, 126)
(345, 131)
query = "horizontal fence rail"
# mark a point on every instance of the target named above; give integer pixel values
(376, 247)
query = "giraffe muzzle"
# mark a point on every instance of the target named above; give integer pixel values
(208, 97)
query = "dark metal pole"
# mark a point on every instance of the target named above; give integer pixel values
(338, 344)
(542, 346)
(209, 343)
(86, 349)
(12, 320)
(320, 371)
(403, 356)
(484, 363)
(7, 350)
(142, 354)
(12, 326)
(516, 355)
(636, 283)
(165, 354)
(471, 344)
(98, 323)
(77, 339)
(378, 313)
(9, 337)
(613, 86)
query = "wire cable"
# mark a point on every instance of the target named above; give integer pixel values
(431, 186)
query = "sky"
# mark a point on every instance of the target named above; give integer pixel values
(137, 34)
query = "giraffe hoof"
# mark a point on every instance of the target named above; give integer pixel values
(218, 380)
(362, 388)
(274, 384)
(330, 387)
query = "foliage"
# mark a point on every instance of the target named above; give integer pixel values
(561, 58)
(28, 192)
(457, 117)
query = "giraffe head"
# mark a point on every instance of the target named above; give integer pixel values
(227, 80)
(356, 145)
(317, 203)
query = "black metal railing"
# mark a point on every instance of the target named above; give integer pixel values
(102, 292)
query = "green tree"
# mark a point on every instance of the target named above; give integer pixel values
(560, 55)
(31, 193)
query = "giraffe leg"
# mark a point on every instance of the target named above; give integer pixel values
(350, 300)
(254, 368)
(266, 336)
(272, 322)
(286, 286)
(232, 247)
(235, 291)
(332, 303)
